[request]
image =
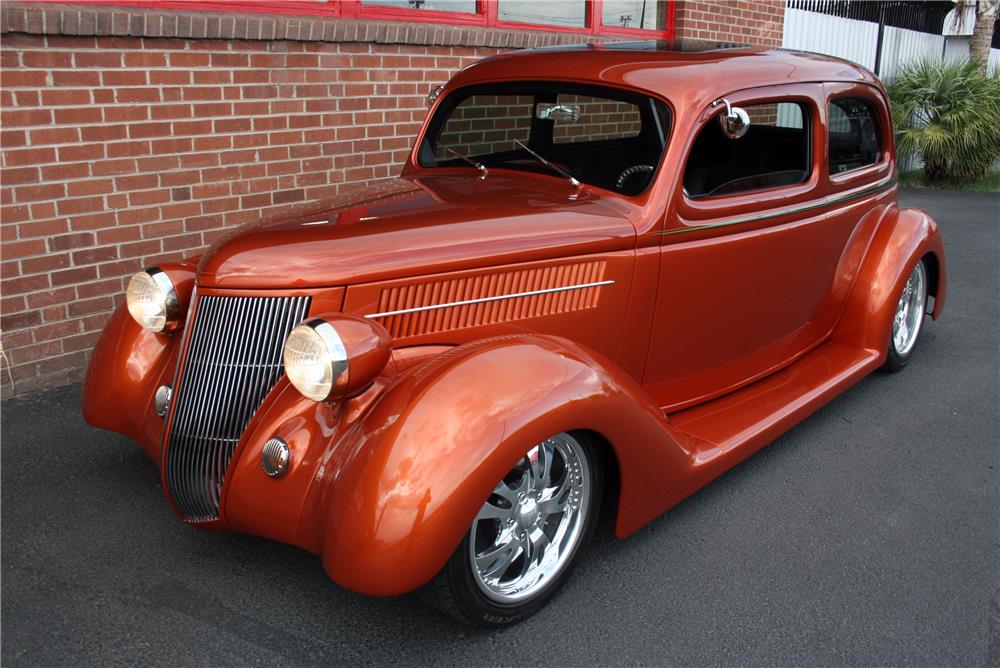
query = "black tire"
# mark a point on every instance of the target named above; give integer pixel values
(456, 590)
(897, 357)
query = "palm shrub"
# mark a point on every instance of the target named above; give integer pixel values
(947, 114)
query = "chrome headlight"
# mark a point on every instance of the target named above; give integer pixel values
(316, 360)
(152, 300)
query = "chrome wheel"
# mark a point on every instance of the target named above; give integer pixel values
(532, 524)
(910, 311)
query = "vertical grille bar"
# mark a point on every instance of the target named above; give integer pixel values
(233, 361)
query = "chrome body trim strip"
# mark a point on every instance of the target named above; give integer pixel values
(483, 300)
(790, 211)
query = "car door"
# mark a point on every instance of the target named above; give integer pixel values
(748, 255)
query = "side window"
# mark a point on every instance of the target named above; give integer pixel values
(854, 134)
(774, 152)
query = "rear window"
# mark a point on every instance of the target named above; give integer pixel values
(854, 135)
(608, 138)
(774, 152)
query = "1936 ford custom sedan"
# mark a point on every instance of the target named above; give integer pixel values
(622, 267)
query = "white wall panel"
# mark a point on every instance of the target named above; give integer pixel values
(832, 35)
(856, 41)
(900, 47)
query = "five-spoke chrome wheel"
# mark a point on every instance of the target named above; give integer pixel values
(532, 523)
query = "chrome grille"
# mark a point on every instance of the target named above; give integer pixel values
(233, 361)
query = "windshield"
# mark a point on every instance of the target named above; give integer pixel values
(604, 137)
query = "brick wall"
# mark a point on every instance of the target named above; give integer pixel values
(133, 136)
(738, 21)
(120, 153)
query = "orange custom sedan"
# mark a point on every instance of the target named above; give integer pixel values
(633, 264)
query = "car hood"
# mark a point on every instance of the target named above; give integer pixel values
(409, 226)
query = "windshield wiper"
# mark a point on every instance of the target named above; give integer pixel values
(478, 165)
(572, 179)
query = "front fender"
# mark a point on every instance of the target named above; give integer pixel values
(903, 238)
(126, 367)
(428, 454)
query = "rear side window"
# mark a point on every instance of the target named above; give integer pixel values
(854, 135)
(774, 152)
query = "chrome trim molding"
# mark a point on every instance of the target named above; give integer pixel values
(788, 212)
(482, 300)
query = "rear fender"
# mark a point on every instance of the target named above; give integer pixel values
(421, 463)
(904, 237)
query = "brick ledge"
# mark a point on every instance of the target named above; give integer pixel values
(102, 20)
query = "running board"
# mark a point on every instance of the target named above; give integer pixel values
(726, 430)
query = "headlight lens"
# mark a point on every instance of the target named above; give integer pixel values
(151, 300)
(315, 359)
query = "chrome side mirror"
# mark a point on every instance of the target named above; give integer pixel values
(433, 95)
(735, 122)
(546, 111)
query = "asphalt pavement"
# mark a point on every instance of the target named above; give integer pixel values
(866, 535)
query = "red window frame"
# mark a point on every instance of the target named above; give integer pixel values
(487, 14)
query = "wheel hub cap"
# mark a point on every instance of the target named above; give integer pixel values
(527, 513)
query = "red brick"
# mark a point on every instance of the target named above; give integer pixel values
(24, 78)
(13, 177)
(79, 152)
(23, 117)
(78, 115)
(40, 192)
(63, 171)
(73, 276)
(13, 138)
(58, 96)
(68, 207)
(70, 241)
(124, 78)
(107, 59)
(54, 136)
(45, 263)
(106, 287)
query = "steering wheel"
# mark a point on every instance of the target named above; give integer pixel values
(630, 173)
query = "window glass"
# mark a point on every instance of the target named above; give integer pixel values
(600, 118)
(641, 14)
(485, 124)
(774, 152)
(464, 6)
(569, 13)
(854, 135)
(607, 138)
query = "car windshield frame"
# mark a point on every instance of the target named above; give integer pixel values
(655, 118)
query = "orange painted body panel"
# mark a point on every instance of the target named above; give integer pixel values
(702, 330)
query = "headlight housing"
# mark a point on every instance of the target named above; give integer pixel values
(335, 357)
(315, 359)
(152, 300)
